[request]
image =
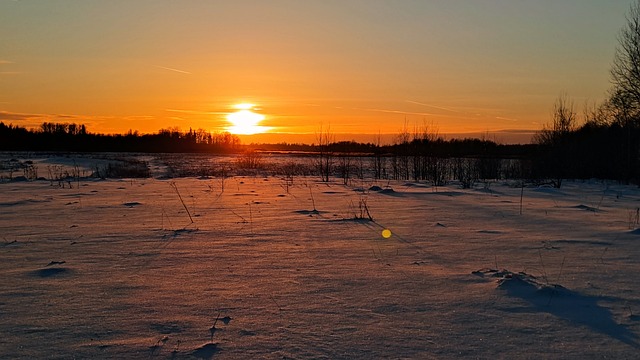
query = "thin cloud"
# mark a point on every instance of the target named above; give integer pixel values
(196, 112)
(370, 109)
(7, 62)
(518, 131)
(471, 113)
(172, 69)
(14, 116)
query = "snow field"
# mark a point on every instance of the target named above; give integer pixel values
(117, 269)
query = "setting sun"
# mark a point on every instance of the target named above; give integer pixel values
(244, 121)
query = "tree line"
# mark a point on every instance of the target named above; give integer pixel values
(75, 137)
(597, 149)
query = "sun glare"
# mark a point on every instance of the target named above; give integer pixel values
(244, 121)
(244, 106)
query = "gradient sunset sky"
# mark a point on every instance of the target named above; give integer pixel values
(358, 66)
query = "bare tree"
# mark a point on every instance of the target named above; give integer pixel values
(325, 158)
(564, 118)
(624, 99)
(625, 70)
(555, 138)
(403, 149)
(345, 165)
(378, 160)
(595, 114)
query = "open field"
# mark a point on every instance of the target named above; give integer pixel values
(293, 268)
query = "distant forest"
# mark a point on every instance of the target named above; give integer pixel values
(76, 138)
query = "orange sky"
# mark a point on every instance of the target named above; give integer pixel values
(360, 67)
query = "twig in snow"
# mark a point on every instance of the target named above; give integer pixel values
(175, 187)
(212, 329)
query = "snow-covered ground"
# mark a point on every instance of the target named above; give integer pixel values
(258, 267)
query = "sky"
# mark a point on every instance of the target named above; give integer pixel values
(357, 67)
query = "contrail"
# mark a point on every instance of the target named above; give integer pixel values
(504, 118)
(196, 112)
(433, 106)
(172, 69)
(394, 111)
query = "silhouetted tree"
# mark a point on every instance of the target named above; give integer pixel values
(555, 138)
(401, 154)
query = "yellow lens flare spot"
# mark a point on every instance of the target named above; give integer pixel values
(386, 233)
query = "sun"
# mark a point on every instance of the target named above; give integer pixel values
(245, 121)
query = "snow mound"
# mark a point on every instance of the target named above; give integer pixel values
(378, 189)
(572, 306)
(51, 272)
(587, 208)
(523, 284)
(520, 283)
(23, 202)
(206, 351)
(20, 179)
(308, 212)
(491, 232)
